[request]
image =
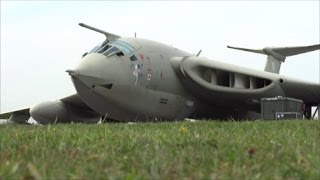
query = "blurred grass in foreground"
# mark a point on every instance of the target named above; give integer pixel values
(206, 149)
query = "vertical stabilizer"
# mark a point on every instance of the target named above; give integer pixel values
(273, 65)
(277, 55)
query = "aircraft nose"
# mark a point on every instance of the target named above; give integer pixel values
(72, 73)
(91, 70)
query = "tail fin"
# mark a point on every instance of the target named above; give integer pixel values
(277, 55)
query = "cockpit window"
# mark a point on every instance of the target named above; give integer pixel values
(125, 47)
(120, 48)
(95, 49)
(120, 53)
(104, 48)
(133, 58)
(110, 51)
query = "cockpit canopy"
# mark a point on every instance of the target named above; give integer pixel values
(119, 48)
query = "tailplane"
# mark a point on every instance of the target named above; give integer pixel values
(277, 55)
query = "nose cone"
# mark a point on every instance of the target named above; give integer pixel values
(98, 80)
(89, 70)
(95, 69)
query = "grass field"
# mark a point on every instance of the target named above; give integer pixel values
(199, 150)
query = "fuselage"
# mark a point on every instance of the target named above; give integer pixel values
(136, 82)
(133, 79)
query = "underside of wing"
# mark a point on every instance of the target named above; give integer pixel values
(76, 101)
(20, 116)
(67, 109)
(308, 92)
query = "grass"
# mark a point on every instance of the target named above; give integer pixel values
(199, 150)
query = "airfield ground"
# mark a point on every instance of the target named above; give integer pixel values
(195, 150)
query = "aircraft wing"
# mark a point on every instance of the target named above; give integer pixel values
(232, 86)
(22, 115)
(76, 101)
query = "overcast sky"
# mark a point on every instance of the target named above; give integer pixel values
(41, 39)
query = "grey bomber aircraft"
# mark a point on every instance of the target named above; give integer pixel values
(133, 79)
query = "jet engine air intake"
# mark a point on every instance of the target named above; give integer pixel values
(216, 75)
(233, 80)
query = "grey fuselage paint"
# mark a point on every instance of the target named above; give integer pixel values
(143, 89)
